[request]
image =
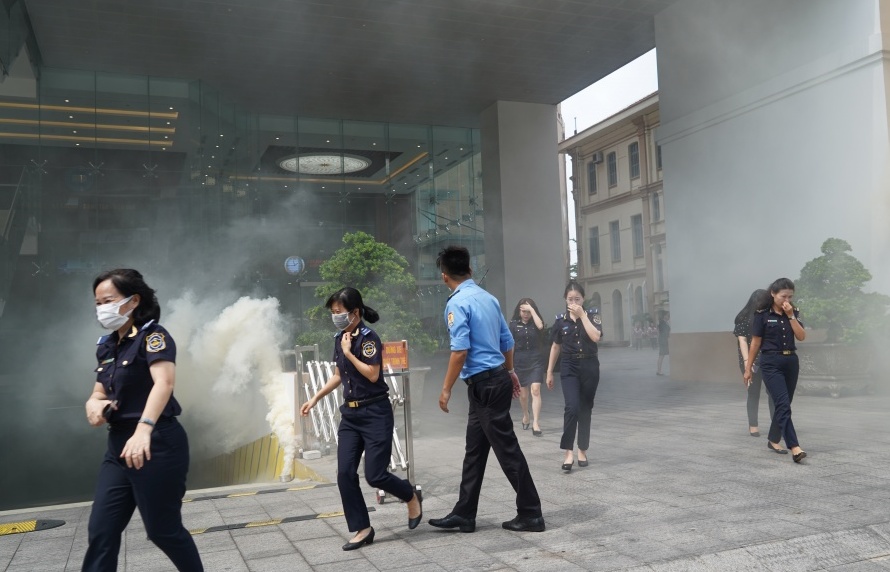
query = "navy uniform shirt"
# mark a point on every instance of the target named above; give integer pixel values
(774, 329)
(572, 336)
(123, 369)
(366, 346)
(475, 324)
(527, 344)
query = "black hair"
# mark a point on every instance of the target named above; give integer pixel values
(129, 282)
(767, 299)
(522, 301)
(745, 313)
(573, 286)
(454, 261)
(352, 299)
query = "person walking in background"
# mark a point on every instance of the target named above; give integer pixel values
(775, 327)
(652, 335)
(637, 335)
(575, 335)
(742, 333)
(527, 328)
(366, 418)
(482, 355)
(664, 334)
(147, 457)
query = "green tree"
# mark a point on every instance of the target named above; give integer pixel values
(829, 292)
(381, 274)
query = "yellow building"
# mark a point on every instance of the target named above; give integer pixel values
(619, 216)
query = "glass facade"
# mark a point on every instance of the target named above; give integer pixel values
(102, 170)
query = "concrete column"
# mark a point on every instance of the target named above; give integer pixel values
(774, 134)
(525, 249)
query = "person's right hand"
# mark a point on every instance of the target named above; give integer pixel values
(550, 380)
(747, 377)
(94, 409)
(304, 411)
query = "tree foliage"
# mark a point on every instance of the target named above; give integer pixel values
(381, 274)
(829, 292)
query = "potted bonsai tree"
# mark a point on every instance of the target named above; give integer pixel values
(830, 295)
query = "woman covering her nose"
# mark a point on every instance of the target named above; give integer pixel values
(366, 418)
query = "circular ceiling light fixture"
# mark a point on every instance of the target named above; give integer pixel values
(324, 164)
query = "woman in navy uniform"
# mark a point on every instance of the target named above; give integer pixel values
(774, 329)
(528, 329)
(742, 333)
(147, 458)
(575, 334)
(366, 419)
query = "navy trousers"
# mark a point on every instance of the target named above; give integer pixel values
(579, 379)
(369, 429)
(156, 489)
(780, 377)
(489, 426)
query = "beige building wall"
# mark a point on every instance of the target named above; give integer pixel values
(620, 218)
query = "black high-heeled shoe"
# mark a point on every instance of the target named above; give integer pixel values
(413, 522)
(369, 539)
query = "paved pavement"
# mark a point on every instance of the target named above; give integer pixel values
(675, 483)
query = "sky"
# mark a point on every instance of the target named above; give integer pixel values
(599, 101)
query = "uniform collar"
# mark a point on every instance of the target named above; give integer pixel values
(467, 282)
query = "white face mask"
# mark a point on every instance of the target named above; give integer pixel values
(341, 321)
(109, 314)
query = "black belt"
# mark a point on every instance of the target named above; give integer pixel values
(579, 356)
(781, 352)
(483, 375)
(368, 401)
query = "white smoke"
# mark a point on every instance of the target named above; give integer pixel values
(229, 372)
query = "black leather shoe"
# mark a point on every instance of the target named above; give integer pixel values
(413, 522)
(776, 449)
(525, 524)
(537, 433)
(567, 466)
(525, 426)
(369, 539)
(455, 521)
(799, 457)
(582, 463)
(754, 433)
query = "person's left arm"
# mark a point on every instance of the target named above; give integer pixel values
(371, 371)
(799, 332)
(137, 449)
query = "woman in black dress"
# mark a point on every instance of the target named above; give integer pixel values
(527, 328)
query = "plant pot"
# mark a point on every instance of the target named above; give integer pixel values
(834, 369)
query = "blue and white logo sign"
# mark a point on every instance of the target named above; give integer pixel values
(294, 265)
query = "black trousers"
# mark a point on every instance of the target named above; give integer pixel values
(156, 489)
(369, 429)
(489, 427)
(780, 377)
(579, 379)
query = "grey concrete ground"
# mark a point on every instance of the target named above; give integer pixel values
(674, 483)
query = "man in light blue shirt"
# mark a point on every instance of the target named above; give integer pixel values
(482, 355)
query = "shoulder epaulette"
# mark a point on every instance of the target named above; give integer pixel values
(102, 340)
(147, 324)
(560, 316)
(366, 331)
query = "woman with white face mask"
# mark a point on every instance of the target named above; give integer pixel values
(147, 458)
(366, 418)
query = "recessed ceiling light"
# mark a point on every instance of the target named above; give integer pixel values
(77, 144)
(171, 108)
(66, 101)
(70, 117)
(74, 131)
(277, 138)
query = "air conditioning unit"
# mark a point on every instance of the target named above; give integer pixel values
(598, 157)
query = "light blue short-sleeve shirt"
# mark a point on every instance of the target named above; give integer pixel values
(475, 324)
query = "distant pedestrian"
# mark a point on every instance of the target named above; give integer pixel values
(574, 337)
(652, 335)
(742, 333)
(527, 328)
(482, 355)
(664, 334)
(774, 329)
(638, 335)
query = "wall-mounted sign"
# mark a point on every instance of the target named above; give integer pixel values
(294, 265)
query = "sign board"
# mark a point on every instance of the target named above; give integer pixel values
(395, 355)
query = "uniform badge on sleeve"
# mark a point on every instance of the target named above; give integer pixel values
(369, 349)
(155, 342)
(450, 319)
(597, 320)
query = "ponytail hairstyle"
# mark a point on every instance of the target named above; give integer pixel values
(129, 282)
(351, 299)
